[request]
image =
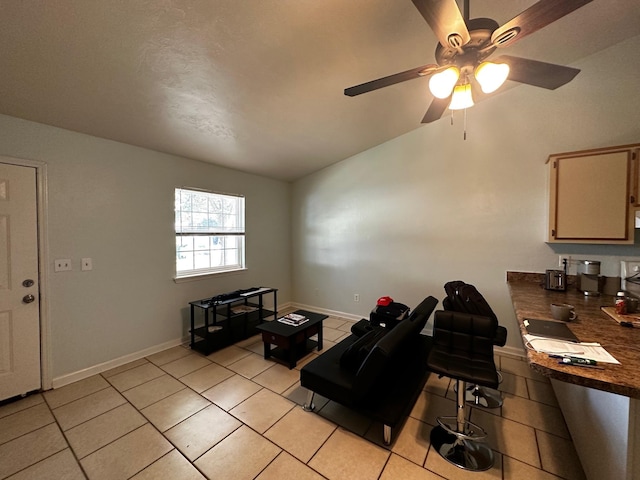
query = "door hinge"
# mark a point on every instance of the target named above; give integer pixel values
(553, 233)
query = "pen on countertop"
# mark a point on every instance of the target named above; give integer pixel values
(569, 362)
(570, 359)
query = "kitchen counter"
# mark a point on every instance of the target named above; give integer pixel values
(601, 407)
(531, 300)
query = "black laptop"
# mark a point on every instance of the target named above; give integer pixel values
(550, 329)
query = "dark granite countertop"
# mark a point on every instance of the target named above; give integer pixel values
(531, 300)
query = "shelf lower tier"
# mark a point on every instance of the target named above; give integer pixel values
(301, 350)
(211, 341)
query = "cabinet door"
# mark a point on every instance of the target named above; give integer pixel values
(591, 195)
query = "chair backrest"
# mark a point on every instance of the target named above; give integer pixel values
(464, 297)
(464, 336)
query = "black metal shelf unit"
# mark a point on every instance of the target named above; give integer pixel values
(227, 318)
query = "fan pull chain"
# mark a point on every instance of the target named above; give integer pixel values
(465, 125)
(464, 135)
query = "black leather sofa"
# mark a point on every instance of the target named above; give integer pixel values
(379, 372)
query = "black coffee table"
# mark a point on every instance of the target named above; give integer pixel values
(292, 342)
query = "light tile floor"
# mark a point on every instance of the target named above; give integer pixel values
(233, 415)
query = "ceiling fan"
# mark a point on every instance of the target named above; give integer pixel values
(465, 44)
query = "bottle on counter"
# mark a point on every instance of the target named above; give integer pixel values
(621, 304)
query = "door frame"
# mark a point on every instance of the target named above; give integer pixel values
(46, 379)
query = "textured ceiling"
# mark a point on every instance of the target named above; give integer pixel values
(254, 85)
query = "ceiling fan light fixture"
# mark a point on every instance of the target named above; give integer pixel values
(461, 98)
(441, 84)
(491, 76)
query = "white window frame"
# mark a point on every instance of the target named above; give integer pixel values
(213, 229)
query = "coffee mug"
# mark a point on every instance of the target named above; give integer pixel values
(563, 311)
(631, 304)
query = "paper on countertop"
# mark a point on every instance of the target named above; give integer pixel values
(593, 351)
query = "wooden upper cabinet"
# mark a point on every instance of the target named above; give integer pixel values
(594, 195)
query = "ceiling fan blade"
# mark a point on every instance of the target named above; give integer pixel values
(436, 109)
(446, 21)
(391, 80)
(538, 74)
(534, 18)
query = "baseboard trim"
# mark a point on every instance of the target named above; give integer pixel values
(511, 352)
(334, 313)
(117, 362)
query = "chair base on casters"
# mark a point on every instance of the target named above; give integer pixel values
(459, 441)
(460, 451)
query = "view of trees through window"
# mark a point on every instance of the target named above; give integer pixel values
(209, 232)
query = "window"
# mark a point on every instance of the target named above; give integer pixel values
(209, 232)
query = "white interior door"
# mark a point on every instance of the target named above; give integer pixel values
(19, 286)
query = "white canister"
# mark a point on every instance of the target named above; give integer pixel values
(589, 267)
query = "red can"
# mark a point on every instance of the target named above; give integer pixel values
(621, 304)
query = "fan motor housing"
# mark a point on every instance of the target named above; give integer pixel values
(480, 30)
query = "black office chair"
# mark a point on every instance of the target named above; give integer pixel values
(463, 350)
(465, 298)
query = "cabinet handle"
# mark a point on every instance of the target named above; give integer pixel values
(632, 199)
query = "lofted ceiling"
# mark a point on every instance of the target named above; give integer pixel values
(254, 85)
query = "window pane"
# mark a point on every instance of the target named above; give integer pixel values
(186, 221)
(216, 258)
(199, 203)
(184, 261)
(184, 243)
(183, 201)
(201, 259)
(200, 243)
(231, 256)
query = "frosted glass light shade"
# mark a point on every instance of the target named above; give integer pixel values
(443, 82)
(491, 76)
(461, 97)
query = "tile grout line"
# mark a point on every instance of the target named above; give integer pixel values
(65, 438)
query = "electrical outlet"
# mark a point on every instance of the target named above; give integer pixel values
(87, 264)
(356, 297)
(564, 257)
(62, 265)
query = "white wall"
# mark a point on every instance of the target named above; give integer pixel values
(407, 216)
(114, 203)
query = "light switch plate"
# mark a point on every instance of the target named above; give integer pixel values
(87, 264)
(62, 265)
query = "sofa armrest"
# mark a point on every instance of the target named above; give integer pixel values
(380, 359)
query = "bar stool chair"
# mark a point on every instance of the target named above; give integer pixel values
(463, 350)
(459, 299)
